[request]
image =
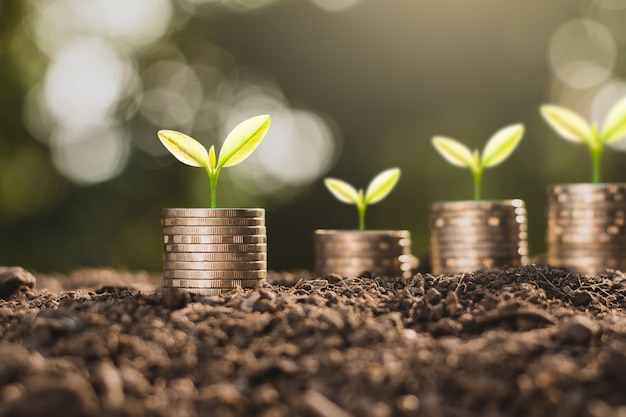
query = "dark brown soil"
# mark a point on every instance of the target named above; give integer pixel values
(532, 341)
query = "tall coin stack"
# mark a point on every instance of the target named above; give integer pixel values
(352, 252)
(211, 251)
(469, 235)
(587, 227)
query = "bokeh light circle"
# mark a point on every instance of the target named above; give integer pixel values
(582, 53)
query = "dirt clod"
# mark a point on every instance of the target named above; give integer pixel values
(511, 342)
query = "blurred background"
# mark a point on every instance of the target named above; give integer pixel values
(353, 87)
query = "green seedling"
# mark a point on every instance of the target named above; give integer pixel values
(499, 147)
(239, 144)
(573, 127)
(377, 189)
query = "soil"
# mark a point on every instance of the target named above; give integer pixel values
(531, 341)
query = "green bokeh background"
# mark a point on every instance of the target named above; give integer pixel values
(387, 76)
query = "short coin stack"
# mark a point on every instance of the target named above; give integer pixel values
(211, 251)
(469, 235)
(587, 227)
(352, 252)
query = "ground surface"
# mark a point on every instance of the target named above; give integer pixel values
(532, 341)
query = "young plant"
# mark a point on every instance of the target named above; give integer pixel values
(239, 144)
(497, 149)
(573, 127)
(377, 189)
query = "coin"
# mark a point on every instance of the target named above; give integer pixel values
(215, 239)
(351, 252)
(361, 262)
(259, 274)
(587, 226)
(213, 230)
(467, 236)
(216, 266)
(215, 257)
(213, 221)
(206, 291)
(234, 247)
(215, 213)
(366, 235)
(212, 283)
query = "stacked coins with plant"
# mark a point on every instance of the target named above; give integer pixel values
(214, 250)
(352, 252)
(470, 235)
(586, 222)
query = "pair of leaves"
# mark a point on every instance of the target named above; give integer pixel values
(499, 147)
(573, 127)
(239, 144)
(377, 189)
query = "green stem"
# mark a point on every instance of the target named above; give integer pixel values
(478, 174)
(213, 183)
(596, 157)
(361, 210)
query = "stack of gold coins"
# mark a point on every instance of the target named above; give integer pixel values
(470, 235)
(351, 252)
(211, 251)
(587, 227)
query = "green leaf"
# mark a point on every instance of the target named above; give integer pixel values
(185, 148)
(567, 123)
(243, 140)
(453, 151)
(501, 145)
(343, 191)
(382, 185)
(212, 158)
(614, 128)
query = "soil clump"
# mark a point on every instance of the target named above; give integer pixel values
(530, 341)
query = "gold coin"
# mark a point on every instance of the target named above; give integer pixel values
(213, 221)
(216, 266)
(332, 262)
(212, 283)
(214, 230)
(215, 257)
(215, 239)
(222, 248)
(215, 213)
(186, 274)
(368, 235)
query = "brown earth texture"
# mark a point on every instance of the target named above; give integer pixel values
(531, 341)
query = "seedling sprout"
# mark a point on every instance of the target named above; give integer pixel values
(377, 190)
(573, 127)
(499, 147)
(239, 144)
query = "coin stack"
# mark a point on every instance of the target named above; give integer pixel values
(351, 252)
(587, 227)
(471, 235)
(211, 251)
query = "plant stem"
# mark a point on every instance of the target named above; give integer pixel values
(213, 183)
(477, 180)
(596, 157)
(361, 210)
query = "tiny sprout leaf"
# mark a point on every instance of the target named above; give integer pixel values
(343, 191)
(501, 145)
(381, 185)
(614, 127)
(567, 123)
(453, 151)
(212, 158)
(185, 148)
(243, 140)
